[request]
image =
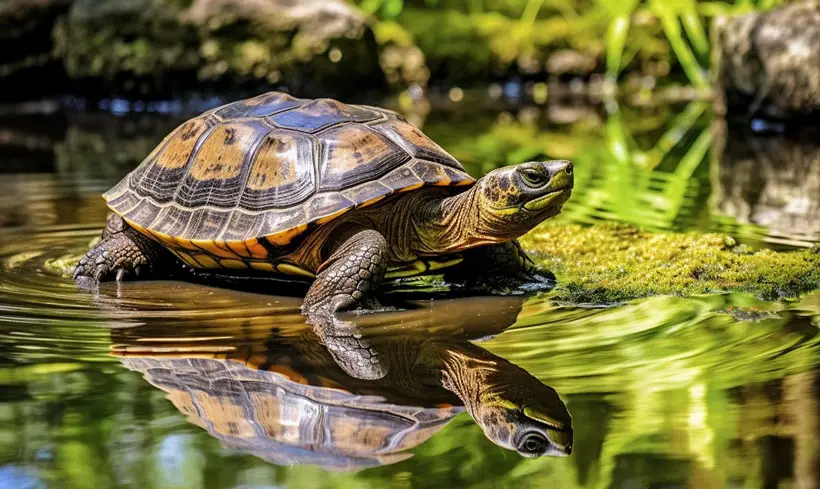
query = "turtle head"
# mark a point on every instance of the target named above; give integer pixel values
(514, 409)
(514, 199)
(532, 422)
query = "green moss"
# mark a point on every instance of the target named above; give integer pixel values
(609, 263)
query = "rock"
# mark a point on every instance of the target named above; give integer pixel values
(766, 63)
(158, 48)
(770, 181)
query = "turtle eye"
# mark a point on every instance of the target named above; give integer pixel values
(533, 444)
(533, 177)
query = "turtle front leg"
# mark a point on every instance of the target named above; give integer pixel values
(346, 278)
(502, 264)
(345, 282)
(121, 253)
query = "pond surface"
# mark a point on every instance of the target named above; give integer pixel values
(182, 385)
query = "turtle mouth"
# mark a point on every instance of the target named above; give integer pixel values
(550, 199)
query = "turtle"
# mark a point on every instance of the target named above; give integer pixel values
(263, 385)
(345, 196)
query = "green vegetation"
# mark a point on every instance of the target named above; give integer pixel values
(608, 263)
(468, 38)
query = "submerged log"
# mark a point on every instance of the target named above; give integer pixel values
(766, 64)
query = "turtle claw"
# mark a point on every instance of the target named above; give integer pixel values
(114, 258)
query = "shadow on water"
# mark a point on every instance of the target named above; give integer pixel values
(713, 391)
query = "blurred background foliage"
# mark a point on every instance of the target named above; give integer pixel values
(464, 39)
(156, 48)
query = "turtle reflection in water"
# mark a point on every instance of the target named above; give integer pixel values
(268, 387)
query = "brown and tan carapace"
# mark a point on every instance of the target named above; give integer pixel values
(342, 194)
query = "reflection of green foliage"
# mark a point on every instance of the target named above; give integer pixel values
(610, 263)
(648, 384)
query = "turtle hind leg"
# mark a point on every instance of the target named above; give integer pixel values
(499, 267)
(121, 253)
(344, 282)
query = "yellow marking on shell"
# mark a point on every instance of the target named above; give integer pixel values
(222, 155)
(238, 247)
(184, 402)
(235, 264)
(444, 181)
(412, 187)
(262, 266)
(276, 163)
(289, 269)
(286, 236)
(408, 270)
(351, 147)
(462, 183)
(187, 258)
(226, 251)
(207, 262)
(181, 145)
(186, 243)
(256, 249)
(289, 373)
(212, 248)
(256, 360)
(226, 417)
(372, 201)
(332, 216)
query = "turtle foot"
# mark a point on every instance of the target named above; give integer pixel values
(347, 346)
(116, 257)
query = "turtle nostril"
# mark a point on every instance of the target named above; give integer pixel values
(568, 169)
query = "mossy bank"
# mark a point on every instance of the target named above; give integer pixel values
(610, 263)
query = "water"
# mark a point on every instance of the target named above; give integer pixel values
(172, 384)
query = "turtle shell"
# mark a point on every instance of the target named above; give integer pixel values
(286, 422)
(239, 181)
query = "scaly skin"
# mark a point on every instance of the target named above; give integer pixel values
(121, 253)
(355, 266)
(351, 254)
(503, 262)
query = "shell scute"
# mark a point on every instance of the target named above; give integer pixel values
(402, 179)
(124, 202)
(357, 154)
(159, 176)
(146, 213)
(321, 113)
(281, 173)
(368, 193)
(206, 224)
(327, 204)
(412, 140)
(282, 219)
(242, 225)
(216, 176)
(259, 106)
(172, 221)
